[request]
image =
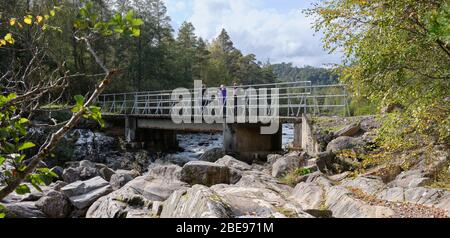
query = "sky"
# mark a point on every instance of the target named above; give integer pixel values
(274, 30)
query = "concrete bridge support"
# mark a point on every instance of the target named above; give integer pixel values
(297, 143)
(153, 139)
(245, 142)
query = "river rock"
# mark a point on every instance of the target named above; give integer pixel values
(212, 155)
(136, 160)
(84, 171)
(432, 197)
(118, 180)
(236, 167)
(197, 202)
(272, 158)
(344, 143)
(171, 171)
(91, 145)
(258, 202)
(57, 185)
(259, 179)
(83, 193)
(205, 173)
(231, 162)
(136, 198)
(54, 204)
(349, 130)
(368, 184)
(342, 204)
(106, 173)
(58, 171)
(285, 164)
(387, 172)
(411, 179)
(23, 210)
(309, 196)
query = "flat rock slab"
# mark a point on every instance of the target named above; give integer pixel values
(83, 193)
(258, 202)
(205, 173)
(197, 202)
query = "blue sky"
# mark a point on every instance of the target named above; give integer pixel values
(271, 29)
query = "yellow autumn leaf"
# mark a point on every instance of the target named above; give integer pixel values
(52, 13)
(39, 19)
(28, 20)
(8, 38)
(12, 21)
(2, 42)
(46, 17)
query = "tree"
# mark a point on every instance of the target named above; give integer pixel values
(187, 44)
(396, 51)
(25, 90)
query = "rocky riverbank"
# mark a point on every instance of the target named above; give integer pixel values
(104, 180)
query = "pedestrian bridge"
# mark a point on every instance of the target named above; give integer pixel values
(148, 117)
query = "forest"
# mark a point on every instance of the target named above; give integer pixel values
(159, 59)
(388, 158)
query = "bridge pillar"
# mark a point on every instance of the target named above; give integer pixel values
(130, 129)
(246, 143)
(152, 139)
(297, 143)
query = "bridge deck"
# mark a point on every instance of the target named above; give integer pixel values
(293, 99)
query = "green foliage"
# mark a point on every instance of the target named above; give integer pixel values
(13, 145)
(119, 23)
(286, 72)
(92, 112)
(291, 178)
(396, 51)
(2, 211)
(362, 107)
(22, 189)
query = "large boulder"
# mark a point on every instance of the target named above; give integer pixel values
(197, 202)
(309, 195)
(411, 179)
(344, 143)
(135, 160)
(319, 193)
(349, 130)
(106, 173)
(170, 171)
(84, 171)
(258, 202)
(212, 155)
(236, 167)
(139, 197)
(118, 180)
(272, 158)
(432, 197)
(205, 173)
(54, 204)
(231, 162)
(83, 193)
(342, 203)
(285, 164)
(368, 184)
(259, 179)
(23, 210)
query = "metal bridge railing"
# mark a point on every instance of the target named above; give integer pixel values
(295, 98)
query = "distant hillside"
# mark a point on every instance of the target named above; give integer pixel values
(286, 72)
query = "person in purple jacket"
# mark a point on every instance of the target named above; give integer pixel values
(223, 96)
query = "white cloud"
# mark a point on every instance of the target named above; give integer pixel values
(267, 33)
